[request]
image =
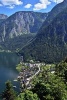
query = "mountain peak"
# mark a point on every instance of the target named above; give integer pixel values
(2, 16)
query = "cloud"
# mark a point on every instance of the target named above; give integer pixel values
(44, 3)
(41, 5)
(28, 6)
(1, 5)
(11, 6)
(57, 1)
(11, 3)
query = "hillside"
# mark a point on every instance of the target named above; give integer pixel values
(51, 44)
(53, 13)
(15, 44)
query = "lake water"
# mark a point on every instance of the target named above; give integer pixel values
(8, 62)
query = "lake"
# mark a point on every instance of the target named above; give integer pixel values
(8, 62)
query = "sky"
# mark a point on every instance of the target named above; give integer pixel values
(9, 7)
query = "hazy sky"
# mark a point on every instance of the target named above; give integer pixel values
(9, 7)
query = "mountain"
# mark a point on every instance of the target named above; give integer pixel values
(16, 43)
(50, 45)
(53, 13)
(3, 17)
(22, 22)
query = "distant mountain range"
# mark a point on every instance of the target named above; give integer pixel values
(50, 44)
(23, 22)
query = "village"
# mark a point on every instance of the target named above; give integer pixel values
(28, 72)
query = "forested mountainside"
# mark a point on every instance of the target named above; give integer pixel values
(53, 13)
(15, 44)
(22, 22)
(51, 44)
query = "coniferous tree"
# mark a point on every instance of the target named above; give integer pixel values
(9, 93)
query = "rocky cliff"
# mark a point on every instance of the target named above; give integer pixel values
(20, 23)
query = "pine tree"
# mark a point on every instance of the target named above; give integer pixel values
(9, 93)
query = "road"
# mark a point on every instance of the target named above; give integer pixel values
(30, 78)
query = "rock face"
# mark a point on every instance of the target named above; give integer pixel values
(3, 17)
(50, 44)
(21, 23)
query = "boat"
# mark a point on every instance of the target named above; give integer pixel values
(14, 87)
(15, 80)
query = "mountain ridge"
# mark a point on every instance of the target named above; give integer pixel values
(53, 13)
(21, 22)
(3, 17)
